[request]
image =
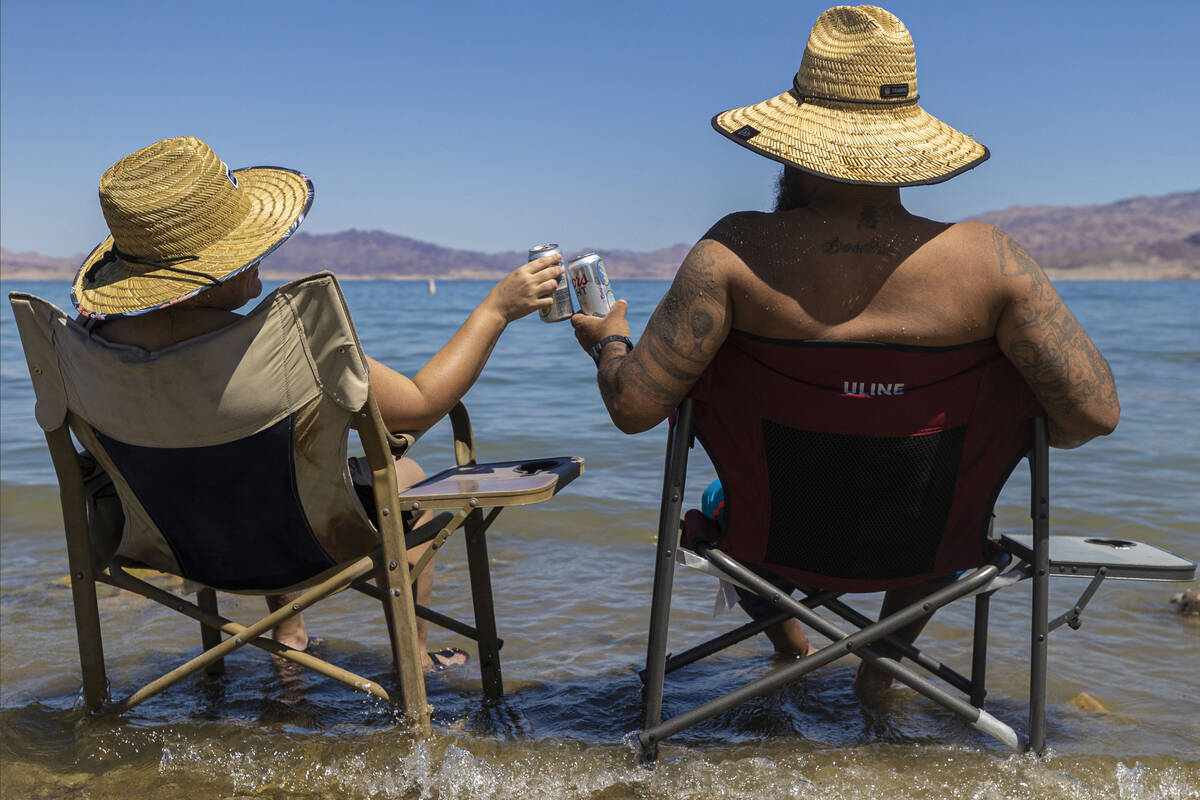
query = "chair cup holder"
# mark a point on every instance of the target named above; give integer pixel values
(534, 467)
(1115, 544)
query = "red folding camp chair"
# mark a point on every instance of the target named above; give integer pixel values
(856, 467)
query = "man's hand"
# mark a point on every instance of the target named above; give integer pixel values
(590, 330)
(641, 387)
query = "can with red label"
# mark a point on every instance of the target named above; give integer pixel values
(562, 307)
(591, 285)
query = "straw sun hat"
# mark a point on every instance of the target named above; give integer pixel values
(182, 222)
(851, 114)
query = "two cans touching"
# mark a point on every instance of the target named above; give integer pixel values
(586, 273)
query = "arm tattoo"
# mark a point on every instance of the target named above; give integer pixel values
(682, 336)
(1049, 346)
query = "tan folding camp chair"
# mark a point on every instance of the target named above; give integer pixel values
(228, 455)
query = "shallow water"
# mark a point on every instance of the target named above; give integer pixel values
(572, 579)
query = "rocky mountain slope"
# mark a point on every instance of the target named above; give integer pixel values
(1143, 237)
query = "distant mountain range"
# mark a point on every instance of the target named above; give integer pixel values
(1141, 238)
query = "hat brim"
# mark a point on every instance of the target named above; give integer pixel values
(876, 145)
(278, 200)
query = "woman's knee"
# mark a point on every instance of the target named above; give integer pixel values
(408, 472)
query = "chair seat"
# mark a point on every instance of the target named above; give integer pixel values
(1081, 556)
(502, 483)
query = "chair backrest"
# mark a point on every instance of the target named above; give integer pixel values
(860, 466)
(228, 450)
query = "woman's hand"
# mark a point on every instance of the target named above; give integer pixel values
(527, 288)
(590, 330)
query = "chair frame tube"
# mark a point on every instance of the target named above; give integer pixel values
(719, 643)
(979, 640)
(438, 540)
(488, 641)
(1039, 512)
(1072, 617)
(79, 559)
(857, 643)
(824, 599)
(392, 574)
(906, 649)
(210, 637)
(674, 474)
(478, 566)
(437, 618)
(239, 635)
(121, 579)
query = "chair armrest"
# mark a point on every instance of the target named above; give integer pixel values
(400, 443)
(369, 421)
(464, 441)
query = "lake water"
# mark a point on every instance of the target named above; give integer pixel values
(572, 578)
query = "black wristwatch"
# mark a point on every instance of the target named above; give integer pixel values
(598, 348)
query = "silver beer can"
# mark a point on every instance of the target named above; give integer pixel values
(562, 307)
(591, 284)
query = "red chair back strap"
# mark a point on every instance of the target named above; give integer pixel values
(860, 466)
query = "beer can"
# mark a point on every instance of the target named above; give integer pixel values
(562, 307)
(591, 284)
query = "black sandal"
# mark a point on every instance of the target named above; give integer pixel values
(445, 659)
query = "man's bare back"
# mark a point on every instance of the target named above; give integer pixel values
(854, 265)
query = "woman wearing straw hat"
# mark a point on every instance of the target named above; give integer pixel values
(187, 236)
(841, 259)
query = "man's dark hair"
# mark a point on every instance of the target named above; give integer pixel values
(793, 190)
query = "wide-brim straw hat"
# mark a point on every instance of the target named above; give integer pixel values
(182, 222)
(851, 114)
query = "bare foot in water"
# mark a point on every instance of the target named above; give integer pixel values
(871, 683)
(292, 631)
(789, 639)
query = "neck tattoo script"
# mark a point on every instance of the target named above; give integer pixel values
(875, 245)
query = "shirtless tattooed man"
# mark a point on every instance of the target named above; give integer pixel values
(840, 259)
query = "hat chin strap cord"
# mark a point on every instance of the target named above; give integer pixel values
(168, 264)
(801, 95)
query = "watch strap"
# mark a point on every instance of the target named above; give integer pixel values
(598, 348)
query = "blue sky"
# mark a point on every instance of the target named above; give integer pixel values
(493, 126)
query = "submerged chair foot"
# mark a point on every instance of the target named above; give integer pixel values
(998, 730)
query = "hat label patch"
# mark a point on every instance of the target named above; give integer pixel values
(746, 132)
(229, 174)
(890, 90)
